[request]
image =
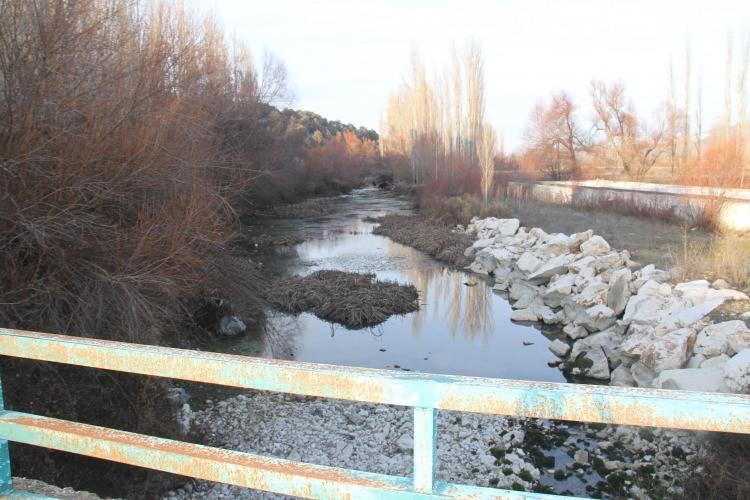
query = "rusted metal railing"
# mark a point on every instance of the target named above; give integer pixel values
(425, 392)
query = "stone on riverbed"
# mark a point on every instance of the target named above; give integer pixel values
(622, 377)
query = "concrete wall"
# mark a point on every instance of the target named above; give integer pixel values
(686, 202)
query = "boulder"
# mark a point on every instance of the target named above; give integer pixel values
(737, 372)
(699, 291)
(528, 263)
(559, 348)
(596, 318)
(669, 351)
(574, 331)
(527, 314)
(728, 337)
(695, 361)
(579, 238)
(595, 364)
(612, 260)
(231, 326)
(619, 290)
(715, 362)
(596, 245)
(650, 307)
(559, 287)
(720, 284)
(555, 265)
(642, 374)
(523, 294)
(609, 341)
(555, 245)
(688, 317)
(595, 293)
(585, 266)
(692, 379)
(622, 377)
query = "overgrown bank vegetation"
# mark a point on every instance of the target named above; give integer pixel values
(132, 134)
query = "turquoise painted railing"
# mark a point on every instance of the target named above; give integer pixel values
(425, 392)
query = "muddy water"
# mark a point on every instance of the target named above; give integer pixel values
(459, 329)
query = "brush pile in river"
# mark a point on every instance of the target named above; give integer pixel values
(354, 300)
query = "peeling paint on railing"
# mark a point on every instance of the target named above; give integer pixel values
(424, 392)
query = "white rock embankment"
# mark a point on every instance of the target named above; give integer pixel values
(627, 324)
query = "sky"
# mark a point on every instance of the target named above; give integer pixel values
(345, 57)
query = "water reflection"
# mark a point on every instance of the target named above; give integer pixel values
(459, 329)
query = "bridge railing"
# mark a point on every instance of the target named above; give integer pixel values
(426, 393)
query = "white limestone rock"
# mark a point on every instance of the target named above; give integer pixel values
(559, 348)
(622, 377)
(688, 317)
(619, 290)
(559, 287)
(699, 291)
(737, 372)
(527, 314)
(669, 351)
(528, 263)
(642, 374)
(715, 362)
(596, 318)
(596, 245)
(553, 266)
(574, 331)
(598, 365)
(728, 337)
(692, 379)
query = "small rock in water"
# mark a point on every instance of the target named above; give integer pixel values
(526, 342)
(381, 349)
(581, 457)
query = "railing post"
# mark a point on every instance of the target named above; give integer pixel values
(425, 449)
(6, 481)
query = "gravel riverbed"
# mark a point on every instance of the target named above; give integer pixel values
(601, 461)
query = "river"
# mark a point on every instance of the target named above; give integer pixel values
(459, 329)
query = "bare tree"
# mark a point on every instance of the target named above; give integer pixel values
(486, 150)
(636, 146)
(474, 74)
(699, 121)
(740, 142)
(555, 137)
(686, 111)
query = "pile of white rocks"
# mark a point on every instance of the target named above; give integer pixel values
(623, 323)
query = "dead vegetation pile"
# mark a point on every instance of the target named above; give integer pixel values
(351, 299)
(313, 207)
(427, 235)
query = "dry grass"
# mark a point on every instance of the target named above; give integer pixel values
(427, 235)
(459, 209)
(351, 299)
(726, 257)
(724, 471)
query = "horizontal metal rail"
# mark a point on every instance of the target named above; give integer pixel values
(424, 392)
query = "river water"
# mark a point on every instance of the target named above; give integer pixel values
(459, 329)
